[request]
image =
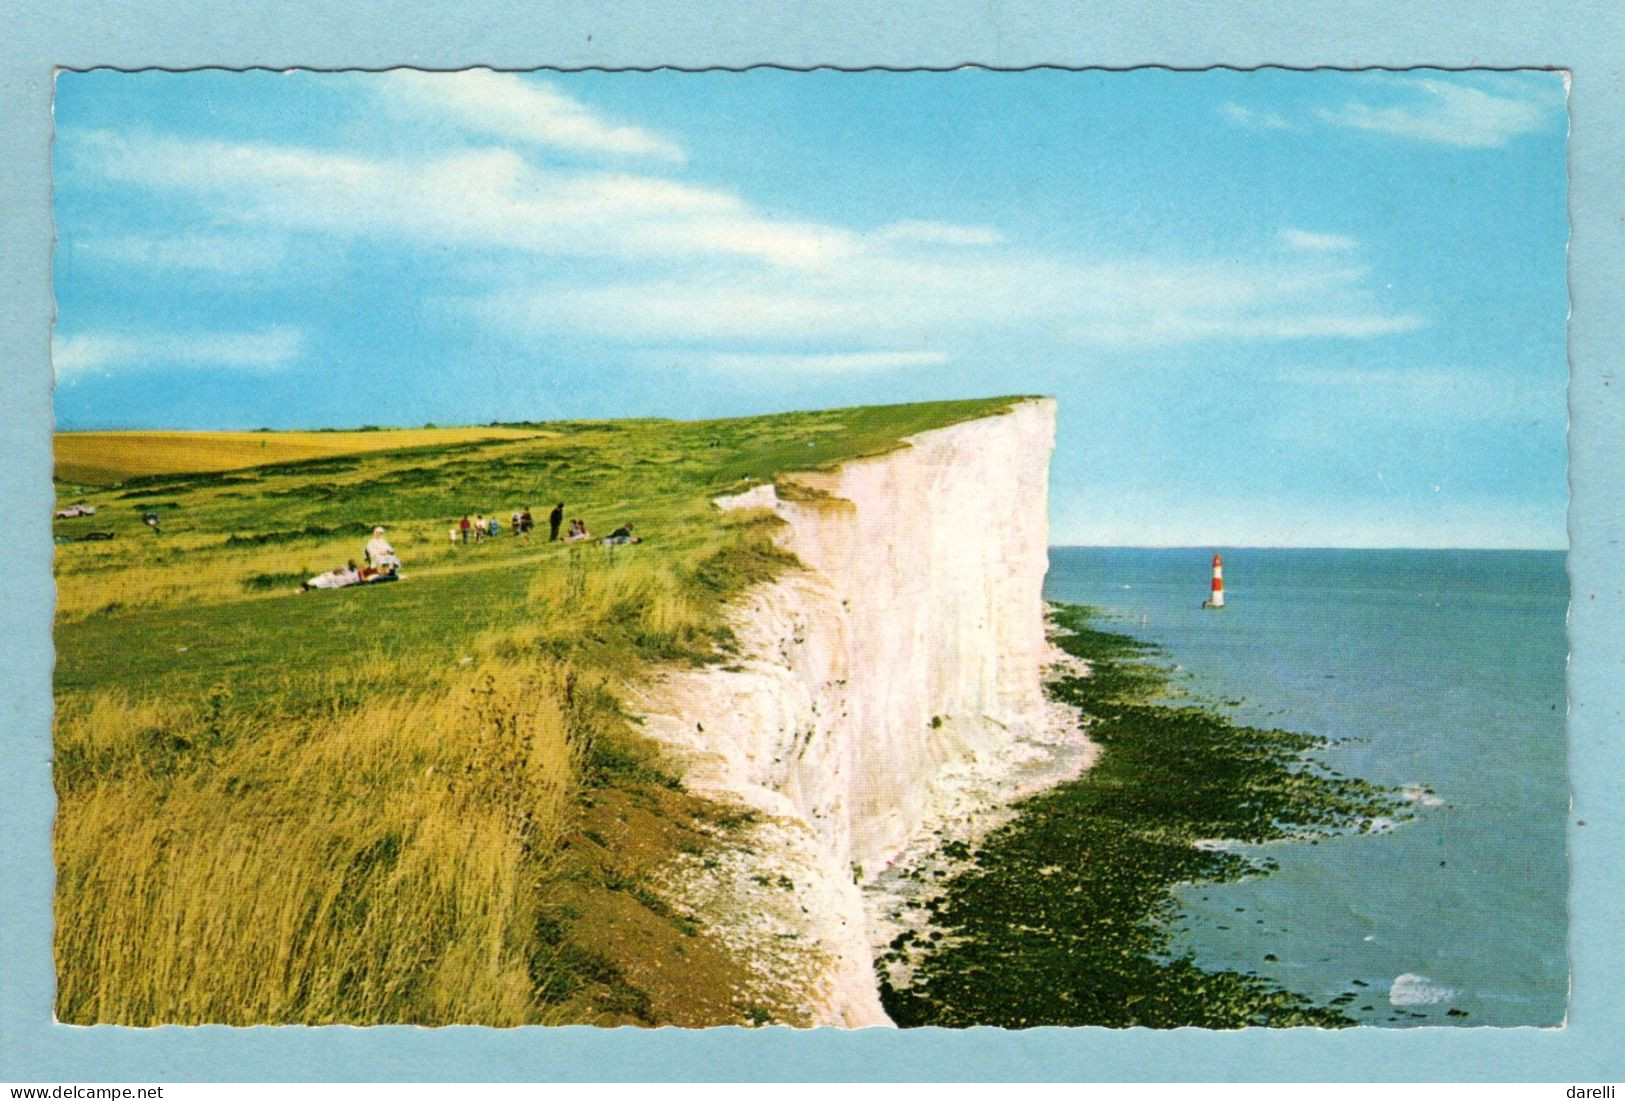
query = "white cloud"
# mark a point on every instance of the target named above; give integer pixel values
(514, 108)
(1447, 112)
(216, 168)
(1344, 326)
(789, 243)
(637, 259)
(819, 363)
(216, 253)
(1165, 328)
(940, 233)
(1425, 395)
(259, 350)
(908, 301)
(1305, 241)
(1478, 111)
(1254, 119)
(483, 196)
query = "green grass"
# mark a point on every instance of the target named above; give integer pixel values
(660, 475)
(1062, 917)
(261, 791)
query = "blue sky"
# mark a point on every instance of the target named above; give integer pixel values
(1277, 308)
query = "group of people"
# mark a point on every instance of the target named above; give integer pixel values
(480, 528)
(520, 523)
(382, 564)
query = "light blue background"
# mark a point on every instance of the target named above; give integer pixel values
(1584, 38)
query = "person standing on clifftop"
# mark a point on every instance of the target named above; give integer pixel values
(554, 519)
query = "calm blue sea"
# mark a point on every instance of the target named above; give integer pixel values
(1437, 671)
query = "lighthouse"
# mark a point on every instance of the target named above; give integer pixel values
(1217, 599)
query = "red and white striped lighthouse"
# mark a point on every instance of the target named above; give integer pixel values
(1217, 599)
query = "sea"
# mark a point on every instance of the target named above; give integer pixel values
(1439, 673)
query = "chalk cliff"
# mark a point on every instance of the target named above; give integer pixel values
(883, 690)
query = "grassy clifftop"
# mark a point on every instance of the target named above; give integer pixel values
(410, 802)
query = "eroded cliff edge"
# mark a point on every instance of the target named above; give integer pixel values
(888, 688)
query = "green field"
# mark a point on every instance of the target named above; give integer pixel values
(411, 802)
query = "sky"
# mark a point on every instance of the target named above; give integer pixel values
(1276, 308)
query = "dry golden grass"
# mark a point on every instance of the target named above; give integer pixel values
(646, 598)
(367, 864)
(100, 457)
(93, 577)
(370, 851)
(130, 574)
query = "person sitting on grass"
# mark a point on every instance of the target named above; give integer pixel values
(578, 532)
(378, 553)
(620, 537)
(333, 579)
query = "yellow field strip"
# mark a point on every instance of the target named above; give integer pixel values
(95, 458)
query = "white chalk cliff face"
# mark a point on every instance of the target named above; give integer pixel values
(906, 656)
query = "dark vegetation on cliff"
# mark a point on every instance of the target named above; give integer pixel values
(1062, 916)
(419, 802)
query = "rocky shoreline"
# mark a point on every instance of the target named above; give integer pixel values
(1060, 916)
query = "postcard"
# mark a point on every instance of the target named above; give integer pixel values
(778, 548)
